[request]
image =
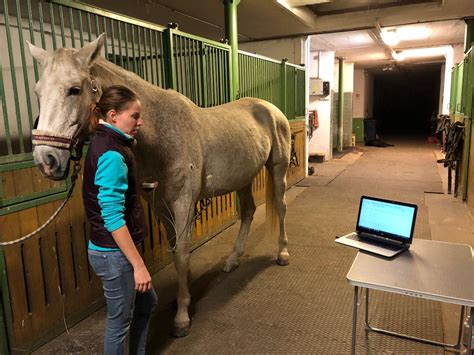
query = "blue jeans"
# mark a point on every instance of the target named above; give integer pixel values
(127, 310)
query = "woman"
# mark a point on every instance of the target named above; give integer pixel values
(112, 203)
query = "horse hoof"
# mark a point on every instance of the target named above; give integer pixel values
(180, 330)
(283, 259)
(230, 267)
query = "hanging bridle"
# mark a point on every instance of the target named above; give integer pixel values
(72, 143)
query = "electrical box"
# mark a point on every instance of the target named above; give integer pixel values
(318, 87)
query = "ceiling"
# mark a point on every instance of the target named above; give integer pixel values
(350, 27)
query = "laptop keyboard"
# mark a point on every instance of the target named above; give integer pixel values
(374, 242)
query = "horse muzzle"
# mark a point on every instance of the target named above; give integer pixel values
(52, 162)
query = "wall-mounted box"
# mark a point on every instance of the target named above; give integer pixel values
(318, 87)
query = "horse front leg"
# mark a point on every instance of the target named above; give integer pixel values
(180, 239)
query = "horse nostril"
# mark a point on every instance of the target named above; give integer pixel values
(51, 161)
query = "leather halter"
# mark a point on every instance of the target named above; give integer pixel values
(61, 141)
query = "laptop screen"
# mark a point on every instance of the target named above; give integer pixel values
(391, 219)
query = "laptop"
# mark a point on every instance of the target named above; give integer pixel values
(384, 227)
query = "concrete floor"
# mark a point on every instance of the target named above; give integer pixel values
(306, 307)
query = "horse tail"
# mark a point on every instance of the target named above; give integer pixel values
(272, 220)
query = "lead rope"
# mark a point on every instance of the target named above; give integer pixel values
(74, 176)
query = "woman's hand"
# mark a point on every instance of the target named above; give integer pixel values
(142, 279)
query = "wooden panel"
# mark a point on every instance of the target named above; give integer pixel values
(10, 226)
(65, 259)
(8, 185)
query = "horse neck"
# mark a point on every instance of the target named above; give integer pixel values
(109, 74)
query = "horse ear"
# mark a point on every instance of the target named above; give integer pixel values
(38, 53)
(91, 51)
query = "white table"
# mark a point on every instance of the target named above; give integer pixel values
(433, 270)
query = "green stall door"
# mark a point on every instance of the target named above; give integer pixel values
(358, 128)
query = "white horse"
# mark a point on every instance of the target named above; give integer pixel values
(192, 152)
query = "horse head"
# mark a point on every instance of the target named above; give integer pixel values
(67, 92)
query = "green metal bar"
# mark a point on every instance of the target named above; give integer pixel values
(104, 28)
(466, 155)
(120, 43)
(71, 28)
(170, 67)
(6, 320)
(29, 204)
(189, 70)
(163, 59)
(148, 55)
(203, 50)
(267, 59)
(126, 47)
(32, 36)
(14, 84)
(154, 35)
(61, 25)
(41, 22)
(139, 49)
(15, 166)
(53, 26)
(213, 76)
(283, 86)
(188, 78)
(5, 113)
(112, 41)
(81, 29)
(28, 197)
(194, 71)
(109, 14)
(221, 78)
(96, 26)
(134, 56)
(230, 8)
(180, 64)
(15, 158)
(340, 107)
(468, 126)
(89, 27)
(454, 78)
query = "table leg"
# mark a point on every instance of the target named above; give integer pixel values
(367, 325)
(455, 347)
(469, 340)
(354, 318)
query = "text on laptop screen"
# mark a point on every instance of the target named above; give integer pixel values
(386, 217)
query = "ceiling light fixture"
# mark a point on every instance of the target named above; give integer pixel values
(390, 37)
(422, 52)
(410, 33)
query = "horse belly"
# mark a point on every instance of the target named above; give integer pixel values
(231, 177)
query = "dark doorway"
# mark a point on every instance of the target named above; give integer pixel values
(406, 97)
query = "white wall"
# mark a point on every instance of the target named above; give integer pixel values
(290, 48)
(348, 74)
(369, 95)
(358, 108)
(458, 53)
(363, 99)
(324, 61)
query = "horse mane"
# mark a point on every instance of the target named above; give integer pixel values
(108, 73)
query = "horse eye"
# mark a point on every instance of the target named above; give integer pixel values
(75, 90)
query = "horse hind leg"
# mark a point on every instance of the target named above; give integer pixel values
(276, 200)
(247, 210)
